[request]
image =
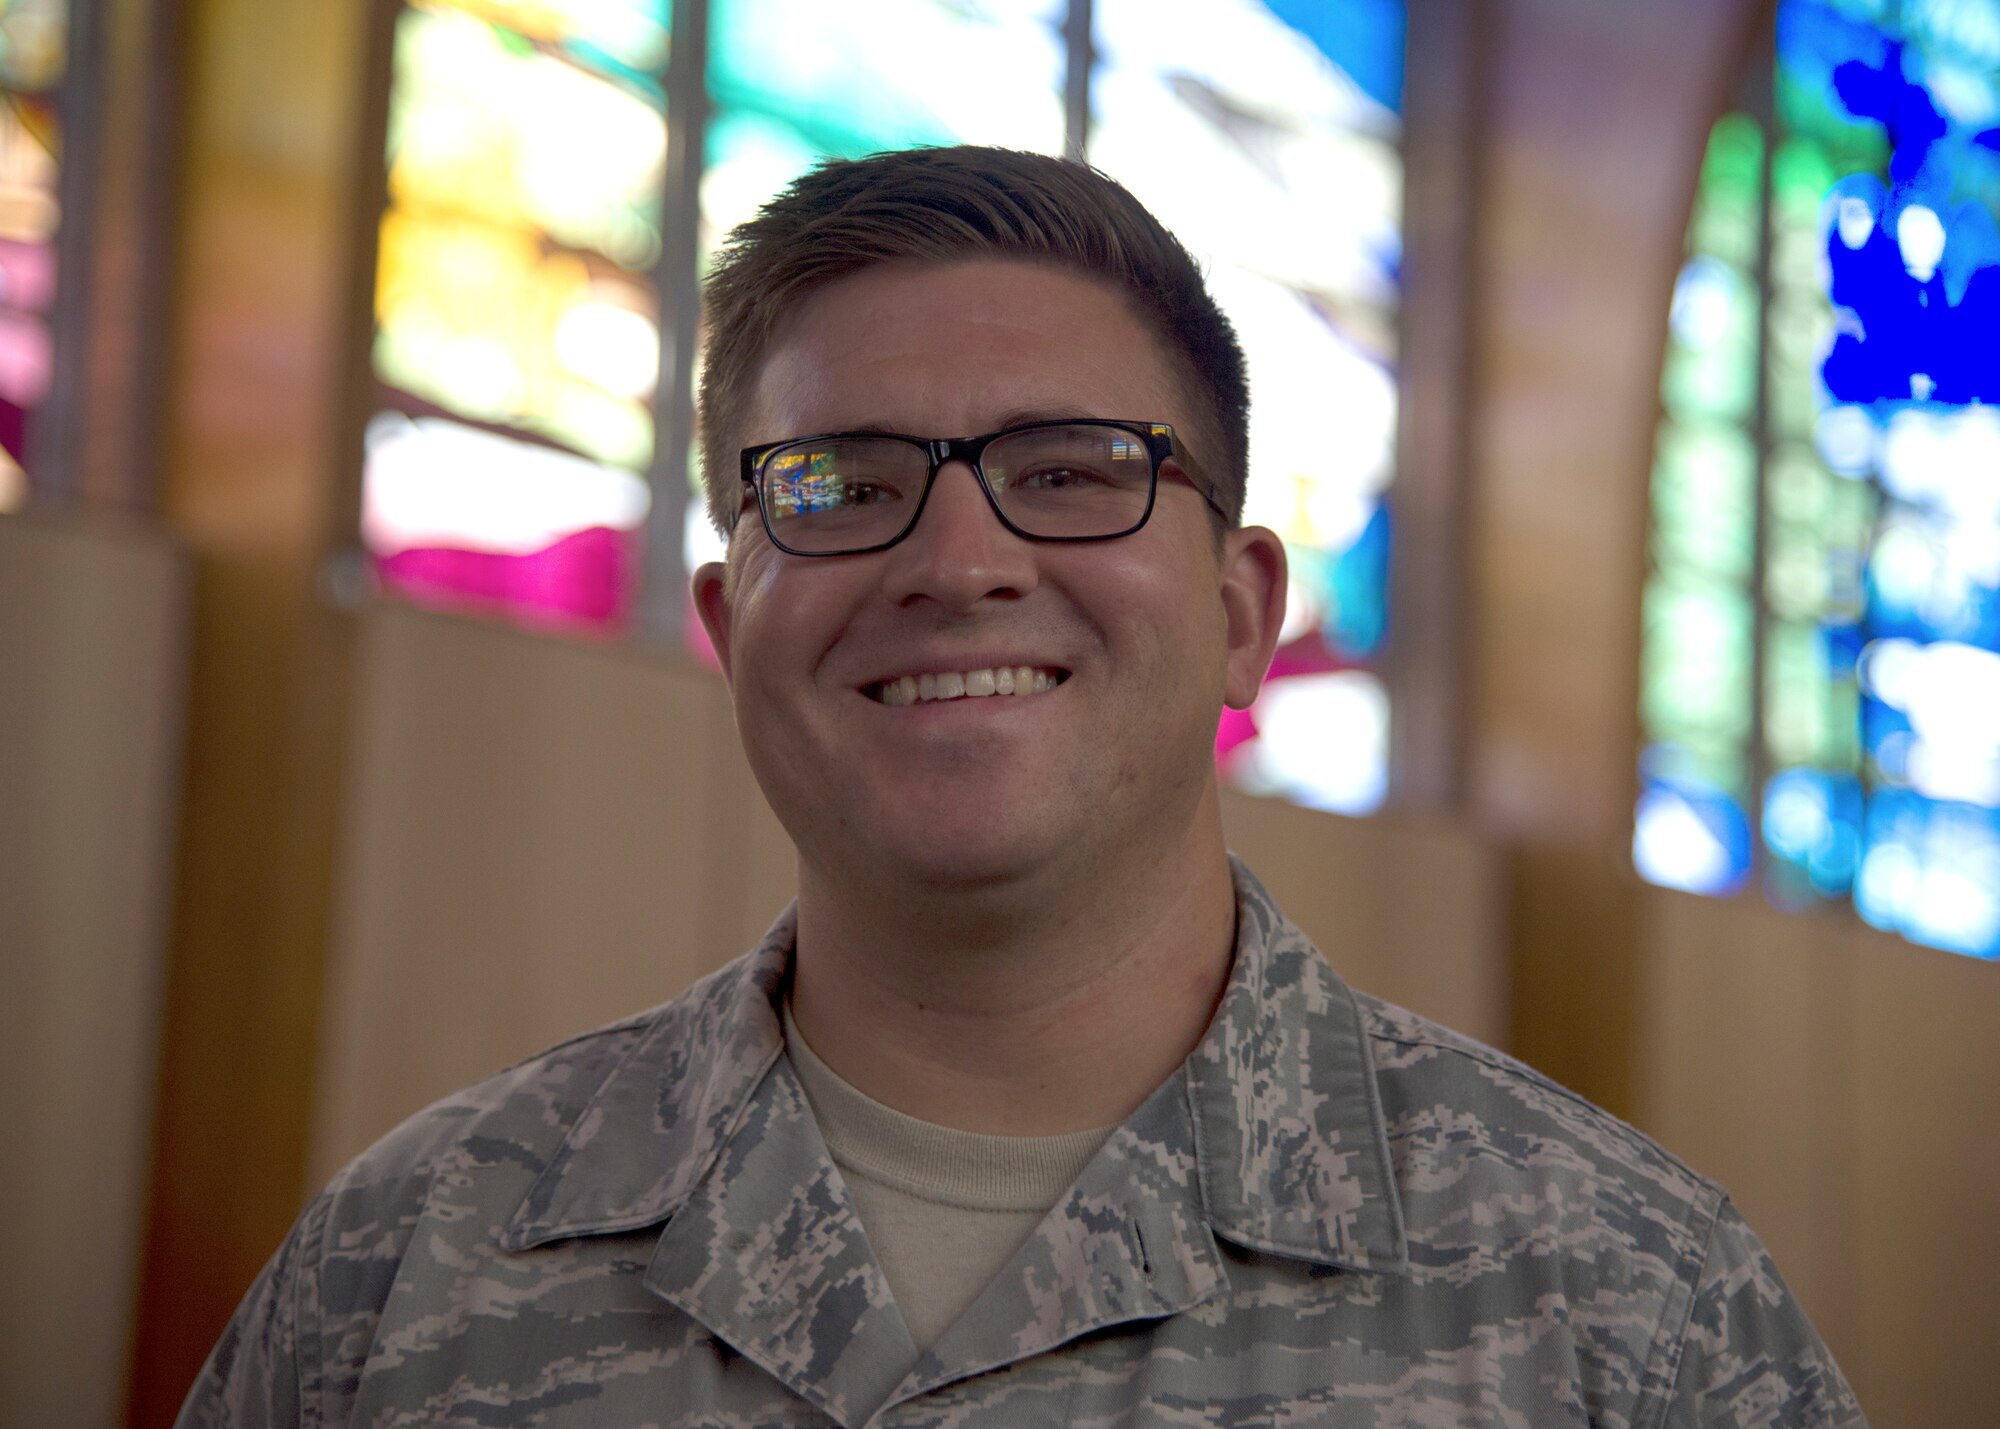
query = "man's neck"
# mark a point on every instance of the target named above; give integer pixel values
(1064, 1021)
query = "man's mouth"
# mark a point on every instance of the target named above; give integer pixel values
(1010, 681)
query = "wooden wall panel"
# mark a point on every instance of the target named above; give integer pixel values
(1924, 1033)
(92, 660)
(1839, 1081)
(542, 836)
(1739, 1074)
(1410, 909)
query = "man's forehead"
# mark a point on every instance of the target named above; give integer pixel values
(971, 346)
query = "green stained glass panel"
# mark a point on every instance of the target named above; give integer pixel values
(1797, 490)
(1704, 492)
(1801, 174)
(1719, 384)
(1696, 675)
(1850, 146)
(1840, 747)
(1801, 326)
(1796, 708)
(1716, 764)
(1795, 572)
(1724, 223)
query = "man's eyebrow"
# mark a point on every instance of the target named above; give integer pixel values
(1022, 416)
(1018, 418)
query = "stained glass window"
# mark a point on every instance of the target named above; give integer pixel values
(518, 342)
(1821, 682)
(1265, 135)
(518, 295)
(34, 44)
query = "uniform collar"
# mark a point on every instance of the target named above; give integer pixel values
(1269, 1135)
(1290, 1150)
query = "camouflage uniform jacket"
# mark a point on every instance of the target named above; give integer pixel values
(1334, 1213)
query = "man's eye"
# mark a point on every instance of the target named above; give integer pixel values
(864, 493)
(1056, 478)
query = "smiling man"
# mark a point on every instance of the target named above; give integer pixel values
(1033, 1109)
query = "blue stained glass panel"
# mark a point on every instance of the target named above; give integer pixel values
(1357, 614)
(1931, 871)
(1363, 38)
(1812, 828)
(1692, 837)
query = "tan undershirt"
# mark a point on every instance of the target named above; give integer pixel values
(944, 1210)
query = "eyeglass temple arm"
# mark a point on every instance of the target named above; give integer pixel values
(1196, 477)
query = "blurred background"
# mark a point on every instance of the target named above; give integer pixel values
(1626, 387)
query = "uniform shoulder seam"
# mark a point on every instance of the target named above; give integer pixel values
(407, 1146)
(1675, 1347)
(309, 1369)
(637, 1022)
(1381, 1029)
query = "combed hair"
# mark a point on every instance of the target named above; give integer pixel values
(953, 205)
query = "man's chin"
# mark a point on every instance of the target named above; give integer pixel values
(954, 858)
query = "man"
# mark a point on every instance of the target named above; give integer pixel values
(1033, 1109)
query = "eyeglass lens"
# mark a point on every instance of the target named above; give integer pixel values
(853, 492)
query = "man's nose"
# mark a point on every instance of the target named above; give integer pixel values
(959, 549)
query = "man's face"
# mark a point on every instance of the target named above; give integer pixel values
(975, 790)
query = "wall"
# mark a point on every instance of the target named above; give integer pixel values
(92, 661)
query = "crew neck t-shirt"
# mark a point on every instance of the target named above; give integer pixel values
(944, 1209)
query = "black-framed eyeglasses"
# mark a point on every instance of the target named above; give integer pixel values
(1081, 479)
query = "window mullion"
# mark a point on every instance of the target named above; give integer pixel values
(662, 604)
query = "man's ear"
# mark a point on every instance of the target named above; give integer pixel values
(1255, 579)
(711, 590)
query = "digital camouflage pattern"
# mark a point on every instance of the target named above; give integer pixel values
(1335, 1213)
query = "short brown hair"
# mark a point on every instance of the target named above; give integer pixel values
(950, 205)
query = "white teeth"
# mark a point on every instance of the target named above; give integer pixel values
(1004, 680)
